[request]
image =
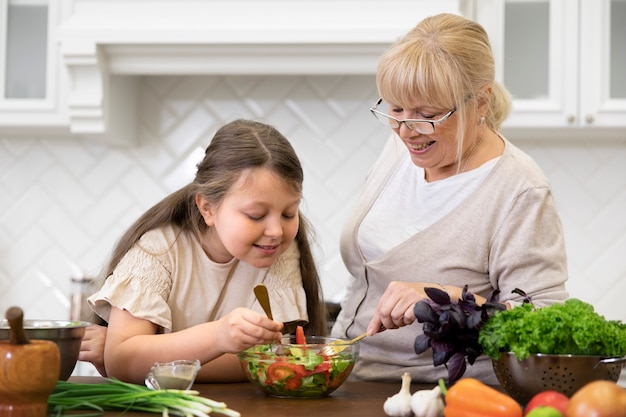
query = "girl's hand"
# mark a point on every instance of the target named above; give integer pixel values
(92, 347)
(395, 307)
(242, 328)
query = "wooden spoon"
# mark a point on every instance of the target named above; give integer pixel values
(261, 294)
(15, 317)
(264, 299)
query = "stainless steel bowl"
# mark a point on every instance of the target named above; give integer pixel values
(562, 373)
(66, 334)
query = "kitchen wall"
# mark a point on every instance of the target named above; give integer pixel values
(64, 201)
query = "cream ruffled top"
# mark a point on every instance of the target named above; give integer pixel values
(167, 278)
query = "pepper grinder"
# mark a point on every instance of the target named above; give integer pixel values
(79, 309)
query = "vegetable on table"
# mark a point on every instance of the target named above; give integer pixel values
(427, 403)
(117, 395)
(544, 411)
(548, 398)
(399, 405)
(423, 403)
(598, 399)
(470, 397)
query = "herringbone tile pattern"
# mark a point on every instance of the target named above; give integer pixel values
(65, 201)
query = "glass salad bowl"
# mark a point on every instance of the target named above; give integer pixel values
(291, 370)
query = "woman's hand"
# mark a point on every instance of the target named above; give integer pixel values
(395, 307)
(92, 347)
(242, 328)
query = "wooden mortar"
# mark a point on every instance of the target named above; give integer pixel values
(29, 371)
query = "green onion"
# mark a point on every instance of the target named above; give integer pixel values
(117, 395)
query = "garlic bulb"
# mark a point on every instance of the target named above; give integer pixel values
(399, 405)
(427, 403)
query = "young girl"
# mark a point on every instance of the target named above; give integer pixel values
(180, 281)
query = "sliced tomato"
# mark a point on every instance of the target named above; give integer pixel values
(322, 367)
(300, 338)
(281, 372)
(293, 383)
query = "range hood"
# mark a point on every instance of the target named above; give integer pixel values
(106, 44)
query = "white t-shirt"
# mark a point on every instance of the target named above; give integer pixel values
(397, 214)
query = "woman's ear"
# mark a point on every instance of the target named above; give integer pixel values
(484, 99)
(207, 209)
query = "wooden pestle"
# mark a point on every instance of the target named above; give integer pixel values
(15, 317)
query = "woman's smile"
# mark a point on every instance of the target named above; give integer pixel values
(419, 147)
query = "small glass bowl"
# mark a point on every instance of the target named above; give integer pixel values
(179, 374)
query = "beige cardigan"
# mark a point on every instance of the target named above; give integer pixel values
(505, 235)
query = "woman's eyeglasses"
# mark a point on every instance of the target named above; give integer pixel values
(425, 127)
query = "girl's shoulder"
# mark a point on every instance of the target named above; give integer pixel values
(164, 238)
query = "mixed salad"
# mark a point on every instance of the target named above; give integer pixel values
(298, 370)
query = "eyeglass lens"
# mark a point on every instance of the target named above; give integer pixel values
(419, 126)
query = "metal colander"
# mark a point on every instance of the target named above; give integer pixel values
(562, 373)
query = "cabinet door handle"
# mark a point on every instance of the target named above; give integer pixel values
(589, 119)
(571, 119)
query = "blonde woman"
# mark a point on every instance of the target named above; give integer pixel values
(450, 202)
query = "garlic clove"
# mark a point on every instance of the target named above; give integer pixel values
(399, 405)
(427, 403)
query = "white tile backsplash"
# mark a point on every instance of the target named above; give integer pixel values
(64, 201)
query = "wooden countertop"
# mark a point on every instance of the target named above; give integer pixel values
(352, 399)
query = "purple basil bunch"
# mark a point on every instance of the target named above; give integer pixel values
(451, 329)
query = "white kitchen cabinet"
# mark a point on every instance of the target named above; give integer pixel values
(26, 50)
(31, 76)
(98, 49)
(564, 62)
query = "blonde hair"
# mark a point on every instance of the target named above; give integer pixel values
(447, 62)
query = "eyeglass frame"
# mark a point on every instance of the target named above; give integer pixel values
(408, 122)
